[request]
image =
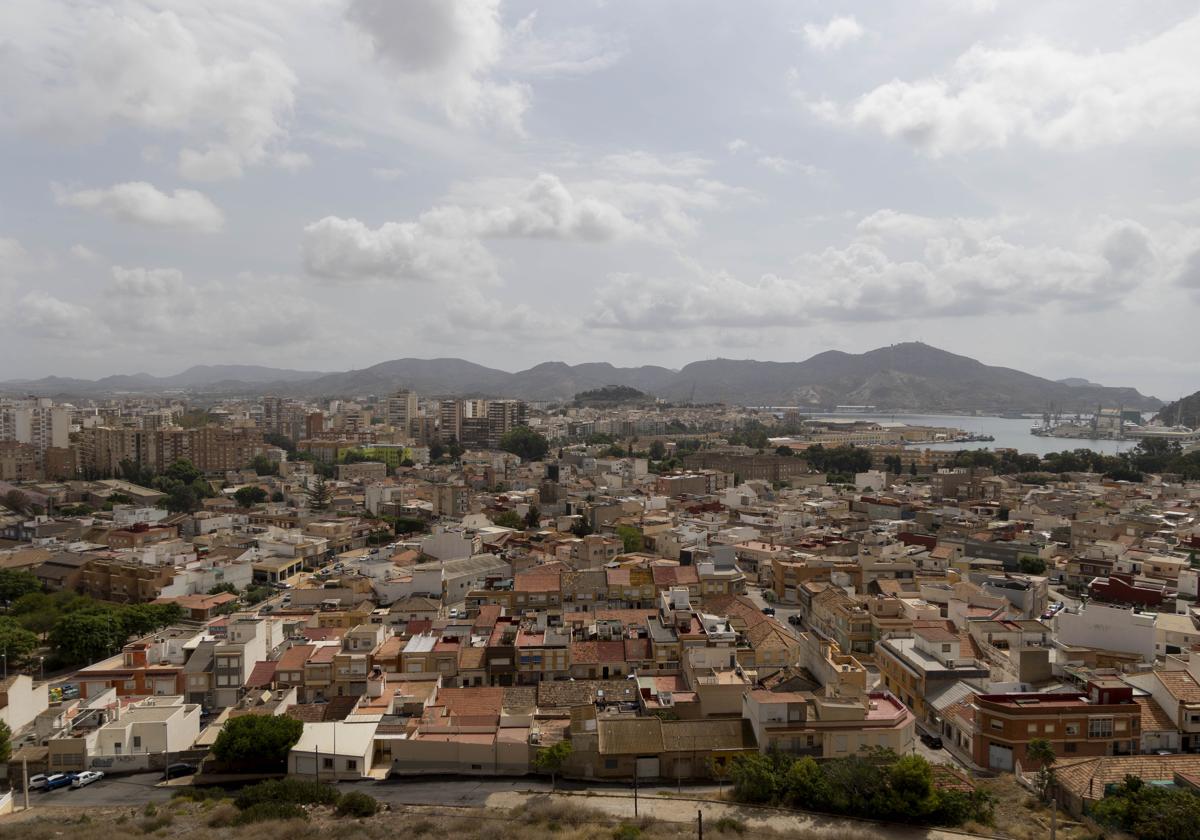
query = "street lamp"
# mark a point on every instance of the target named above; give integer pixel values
(41, 665)
(4, 656)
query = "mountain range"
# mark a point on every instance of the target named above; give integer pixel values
(1182, 412)
(902, 376)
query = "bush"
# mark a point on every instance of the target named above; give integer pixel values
(152, 824)
(730, 825)
(266, 811)
(195, 793)
(287, 791)
(223, 816)
(626, 831)
(355, 804)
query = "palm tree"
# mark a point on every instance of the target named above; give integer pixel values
(1041, 752)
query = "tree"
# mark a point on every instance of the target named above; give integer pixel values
(806, 786)
(85, 636)
(509, 519)
(1041, 752)
(256, 593)
(551, 760)
(318, 494)
(1149, 812)
(754, 778)
(248, 497)
(5, 743)
(183, 471)
(277, 496)
(533, 517)
(258, 743)
(631, 538)
(264, 466)
(140, 619)
(16, 641)
(1032, 565)
(658, 450)
(436, 451)
(526, 443)
(222, 588)
(16, 501)
(581, 528)
(912, 795)
(15, 583)
(785, 451)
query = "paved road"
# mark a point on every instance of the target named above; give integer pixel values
(134, 790)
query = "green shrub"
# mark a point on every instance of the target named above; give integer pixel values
(729, 825)
(150, 810)
(223, 816)
(626, 831)
(287, 791)
(355, 804)
(149, 825)
(200, 794)
(266, 811)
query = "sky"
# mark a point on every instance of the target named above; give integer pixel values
(327, 184)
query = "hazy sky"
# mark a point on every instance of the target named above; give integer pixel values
(331, 183)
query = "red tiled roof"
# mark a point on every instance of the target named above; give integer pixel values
(262, 674)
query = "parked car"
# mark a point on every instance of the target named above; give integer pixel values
(454, 613)
(934, 742)
(178, 769)
(768, 610)
(86, 778)
(59, 780)
(37, 782)
(795, 619)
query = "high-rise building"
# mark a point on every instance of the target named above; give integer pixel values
(401, 412)
(37, 422)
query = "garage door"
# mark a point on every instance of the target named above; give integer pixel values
(647, 768)
(1000, 757)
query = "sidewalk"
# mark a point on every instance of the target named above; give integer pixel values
(675, 809)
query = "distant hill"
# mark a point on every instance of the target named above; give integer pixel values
(1075, 382)
(911, 376)
(1182, 412)
(612, 395)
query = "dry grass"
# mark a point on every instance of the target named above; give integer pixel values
(1021, 816)
(541, 818)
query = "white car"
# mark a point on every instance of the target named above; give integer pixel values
(86, 778)
(37, 782)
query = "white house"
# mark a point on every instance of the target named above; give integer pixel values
(334, 750)
(1103, 627)
(21, 701)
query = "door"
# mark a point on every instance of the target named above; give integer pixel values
(1000, 757)
(647, 767)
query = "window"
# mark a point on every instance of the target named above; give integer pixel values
(137, 742)
(610, 764)
(351, 764)
(997, 725)
(1032, 728)
(1073, 729)
(945, 648)
(1070, 746)
(1049, 728)
(1100, 728)
(327, 763)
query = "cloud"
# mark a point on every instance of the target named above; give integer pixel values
(576, 51)
(83, 253)
(147, 281)
(1047, 95)
(40, 313)
(898, 266)
(143, 203)
(737, 146)
(402, 252)
(388, 173)
(88, 69)
(646, 165)
(833, 35)
(446, 52)
(787, 166)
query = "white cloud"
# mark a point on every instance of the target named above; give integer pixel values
(403, 252)
(446, 52)
(576, 51)
(143, 203)
(40, 313)
(787, 166)
(1053, 97)
(833, 35)
(737, 146)
(646, 165)
(385, 173)
(147, 281)
(83, 253)
(899, 266)
(86, 69)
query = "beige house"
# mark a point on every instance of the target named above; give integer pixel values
(21, 701)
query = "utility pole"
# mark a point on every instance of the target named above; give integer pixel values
(25, 774)
(1054, 818)
(699, 824)
(635, 790)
